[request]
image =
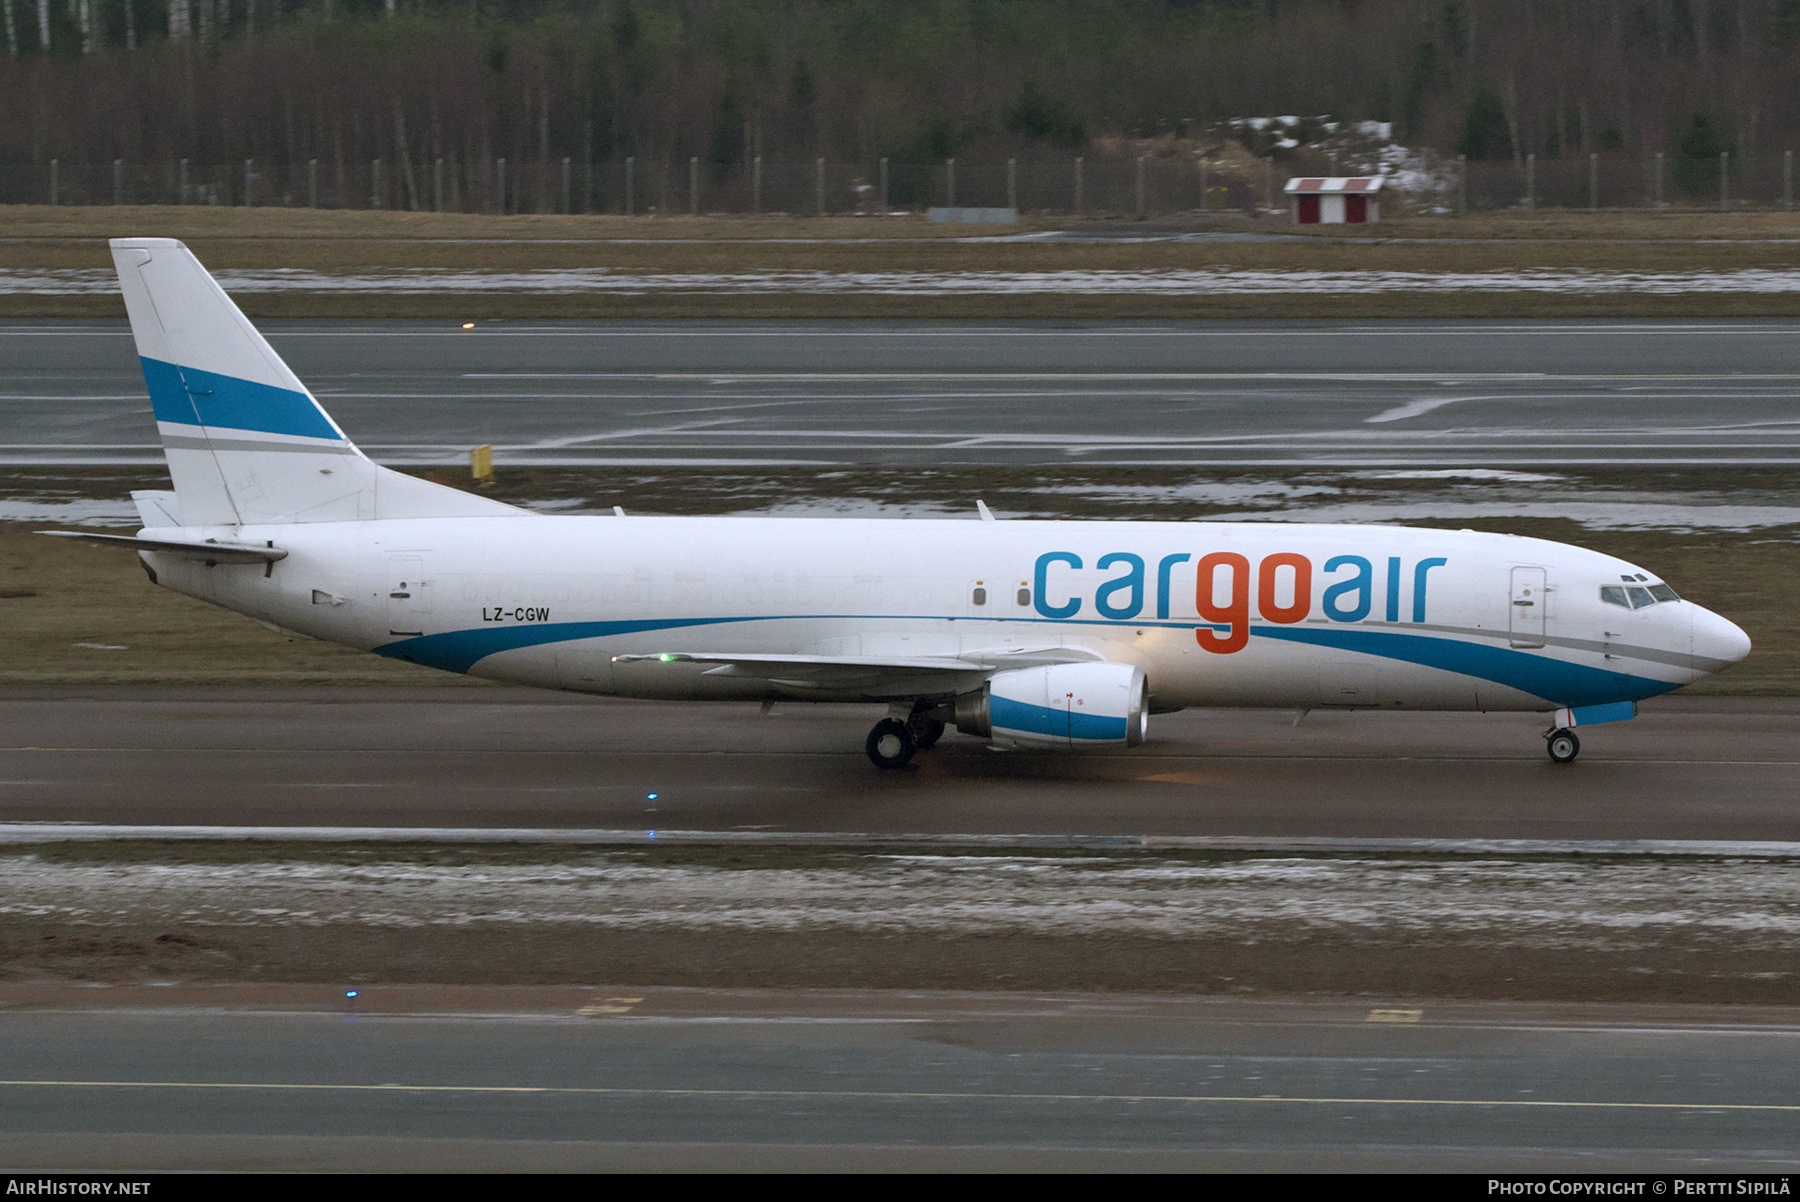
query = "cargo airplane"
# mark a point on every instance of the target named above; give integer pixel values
(1029, 634)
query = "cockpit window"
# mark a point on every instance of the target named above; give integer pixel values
(1634, 597)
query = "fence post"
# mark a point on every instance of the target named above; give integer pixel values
(374, 183)
(1203, 200)
(312, 183)
(630, 184)
(694, 186)
(567, 184)
(55, 179)
(756, 185)
(249, 175)
(184, 181)
(500, 186)
(1787, 179)
(819, 184)
(1462, 185)
(1078, 163)
(118, 181)
(1531, 183)
(950, 182)
(1658, 203)
(1593, 182)
(1140, 185)
(1724, 176)
(884, 184)
(1012, 184)
(437, 186)
(587, 182)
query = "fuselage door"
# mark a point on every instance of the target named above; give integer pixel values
(408, 594)
(1528, 608)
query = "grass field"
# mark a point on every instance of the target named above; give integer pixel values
(56, 594)
(41, 237)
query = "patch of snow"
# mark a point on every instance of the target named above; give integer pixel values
(1593, 515)
(86, 512)
(1457, 473)
(1505, 902)
(1224, 281)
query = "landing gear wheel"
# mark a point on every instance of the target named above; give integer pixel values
(925, 731)
(1563, 746)
(890, 744)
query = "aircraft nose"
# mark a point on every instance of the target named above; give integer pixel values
(1719, 638)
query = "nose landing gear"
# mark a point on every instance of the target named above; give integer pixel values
(1562, 745)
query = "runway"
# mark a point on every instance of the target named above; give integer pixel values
(672, 1079)
(1708, 769)
(922, 394)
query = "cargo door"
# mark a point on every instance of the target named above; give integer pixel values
(1528, 608)
(408, 594)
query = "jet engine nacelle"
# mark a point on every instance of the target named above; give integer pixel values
(1062, 706)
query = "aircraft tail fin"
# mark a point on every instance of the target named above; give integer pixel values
(247, 444)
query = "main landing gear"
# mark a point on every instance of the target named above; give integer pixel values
(895, 740)
(1562, 745)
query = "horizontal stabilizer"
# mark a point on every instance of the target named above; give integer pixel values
(209, 551)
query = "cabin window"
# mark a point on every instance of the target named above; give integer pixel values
(980, 596)
(1663, 592)
(1024, 596)
(1640, 598)
(1612, 594)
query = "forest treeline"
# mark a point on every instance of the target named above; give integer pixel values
(149, 81)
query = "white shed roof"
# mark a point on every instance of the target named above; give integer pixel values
(1335, 183)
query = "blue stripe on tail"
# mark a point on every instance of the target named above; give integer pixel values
(193, 397)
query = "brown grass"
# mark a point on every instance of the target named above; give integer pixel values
(44, 237)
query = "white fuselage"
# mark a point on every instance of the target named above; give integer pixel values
(1346, 616)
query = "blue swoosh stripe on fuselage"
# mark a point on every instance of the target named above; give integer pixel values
(1007, 714)
(460, 650)
(188, 396)
(1554, 680)
(1540, 675)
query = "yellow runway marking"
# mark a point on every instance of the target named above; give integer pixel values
(904, 1095)
(1395, 1016)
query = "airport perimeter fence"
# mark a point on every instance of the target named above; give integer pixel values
(1144, 187)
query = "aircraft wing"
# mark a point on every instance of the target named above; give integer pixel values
(870, 674)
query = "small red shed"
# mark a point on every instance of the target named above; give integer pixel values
(1335, 200)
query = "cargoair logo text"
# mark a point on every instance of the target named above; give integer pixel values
(1283, 586)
